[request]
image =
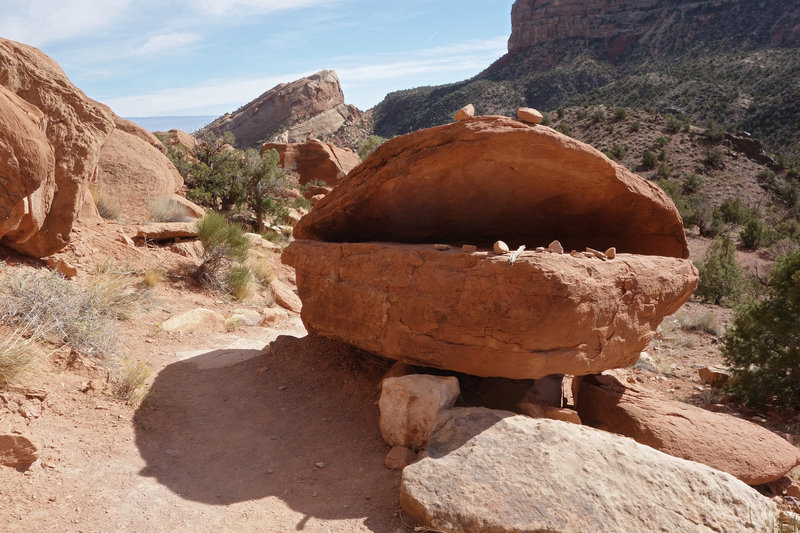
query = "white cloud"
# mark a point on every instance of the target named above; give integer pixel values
(212, 97)
(38, 22)
(233, 7)
(166, 43)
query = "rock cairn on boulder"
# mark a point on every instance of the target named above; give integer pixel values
(368, 247)
(315, 160)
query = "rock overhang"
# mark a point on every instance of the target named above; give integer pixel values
(492, 178)
(368, 273)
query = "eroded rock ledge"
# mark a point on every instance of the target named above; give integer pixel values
(478, 314)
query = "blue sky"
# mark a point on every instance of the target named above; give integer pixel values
(206, 57)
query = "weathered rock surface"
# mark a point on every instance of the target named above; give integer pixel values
(315, 159)
(76, 129)
(465, 113)
(27, 166)
(135, 173)
(532, 116)
(746, 450)
(162, 231)
(285, 296)
(17, 451)
(179, 138)
(289, 112)
(410, 404)
(399, 457)
(491, 471)
(475, 313)
(532, 185)
(200, 317)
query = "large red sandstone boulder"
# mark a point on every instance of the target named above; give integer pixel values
(76, 129)
(134, 174)
(315, 160)
(179, 138)
(27, 166)
(751, 453)
(368, 272)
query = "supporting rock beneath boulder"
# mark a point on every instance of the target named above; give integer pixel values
(492, 471)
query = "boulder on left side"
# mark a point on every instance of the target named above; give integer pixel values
(76, 129)
(27, 166)
(17, 451)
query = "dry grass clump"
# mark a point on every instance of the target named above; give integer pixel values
(262, 269)
(167, 210)
(80, 315)
(241, 283)
(106, 206)
(705, 321)
(132, 379)
(18, 350)
(153, 276)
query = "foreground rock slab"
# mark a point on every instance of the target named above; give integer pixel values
(493, 471)
(475, 313)
(17, 451)
(744, 449)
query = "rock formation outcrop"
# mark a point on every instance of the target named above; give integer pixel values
(290, 112)
(55, 143)
(493, 471)
(369, 273)
(651, 25)
(76, 129)
(315, 160)
(743, 449)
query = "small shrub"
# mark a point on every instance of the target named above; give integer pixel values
(560, 112)
(734, 211)
(714, 132)
(788, 229)
(240, 282)
(106, 206)
(224, 244)
(546, 120)
(618, 151)
(705, 321)
(649, 160)
(620, 113)
(663, 171)
(115, 292)
(599, 116)
(704, 217)
(753, 236)
(275, 237)
(662, 141)
(692, 183)
(763, 345)
(714, 158)
(674, 124)
(720, 275)
(565, 128)
(368, 145)
(635, 127)
(167, 210)
(301, 203)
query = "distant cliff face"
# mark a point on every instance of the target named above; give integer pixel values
(653, 26)
(290, 112)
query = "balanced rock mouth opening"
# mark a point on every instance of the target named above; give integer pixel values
(369, 271)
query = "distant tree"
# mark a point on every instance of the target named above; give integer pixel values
(264, 178)
(720, 275)
(649, 160)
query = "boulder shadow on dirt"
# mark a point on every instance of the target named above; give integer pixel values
(297, 422)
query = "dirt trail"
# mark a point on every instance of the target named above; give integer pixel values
(231, 438)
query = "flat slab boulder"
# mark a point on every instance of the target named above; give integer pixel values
(494, 471)
(744, 449)
(478, 314)
(396, 258)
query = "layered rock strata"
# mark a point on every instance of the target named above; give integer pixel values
(372, 268)
(290, 112)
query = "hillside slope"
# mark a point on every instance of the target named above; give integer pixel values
(686, 58)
